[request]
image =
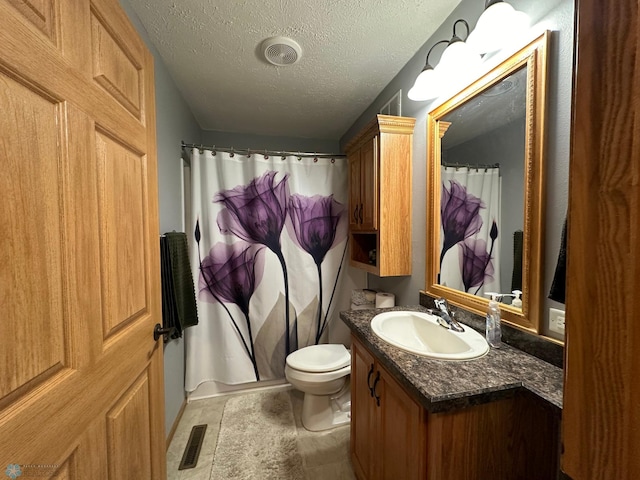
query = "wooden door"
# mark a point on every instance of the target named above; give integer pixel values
(601, 415)
(354, 190)
(81, 390)
(369, 188)
(401, 432)
(363, 433)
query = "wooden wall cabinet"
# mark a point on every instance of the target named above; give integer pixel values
(393, 437)
(380, 196)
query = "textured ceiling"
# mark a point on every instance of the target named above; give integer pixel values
(351, 49)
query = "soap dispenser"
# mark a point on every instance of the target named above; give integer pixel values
(517, 302)
(493, 332)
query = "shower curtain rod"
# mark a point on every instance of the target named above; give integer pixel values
(469, 166)
(250, 151)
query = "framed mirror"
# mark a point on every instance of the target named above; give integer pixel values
(485, 190)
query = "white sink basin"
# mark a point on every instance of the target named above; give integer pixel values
(421, 334)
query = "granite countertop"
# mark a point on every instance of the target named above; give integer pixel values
(441, 385)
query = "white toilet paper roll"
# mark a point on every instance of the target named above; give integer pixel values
(385, 300)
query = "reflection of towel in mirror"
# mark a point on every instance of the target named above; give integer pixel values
(178, 295)
(558, 286)
(516, 277)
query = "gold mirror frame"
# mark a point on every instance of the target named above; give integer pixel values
(533, 57)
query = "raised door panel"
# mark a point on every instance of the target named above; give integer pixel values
(369, 188)
(128, 433)
(354, 190)
(43, 14)
(402, 433)
(31, 246)
(362, 411)
(121, 174)
(117, 66)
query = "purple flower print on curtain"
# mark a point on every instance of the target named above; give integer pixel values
(316, 223)
(475, 262)
(459, 212)
(230, 274)
(256, 213)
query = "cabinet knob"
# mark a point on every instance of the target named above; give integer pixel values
(373, 390)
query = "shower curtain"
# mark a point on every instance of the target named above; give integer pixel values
(268, 242)
(470, 229)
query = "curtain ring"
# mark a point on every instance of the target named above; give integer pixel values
(333, 160)
(213, 151)
(232, 154)
(248, 153)
(266, 157)
(201, 149)
(315, 159)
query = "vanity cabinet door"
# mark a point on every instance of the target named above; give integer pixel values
(402, 429)
(388, 428)
(363, 411)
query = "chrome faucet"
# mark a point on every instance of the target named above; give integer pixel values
(445, 315)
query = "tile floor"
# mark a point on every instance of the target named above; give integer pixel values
(325, 455)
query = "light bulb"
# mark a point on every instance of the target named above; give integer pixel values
(496, 26)
(457, 57)
(426, 87)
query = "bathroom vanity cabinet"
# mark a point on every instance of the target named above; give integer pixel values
(394, 437)
(380, 196)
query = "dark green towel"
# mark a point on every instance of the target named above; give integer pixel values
(558, 287)
(179, 300)
(516, 277)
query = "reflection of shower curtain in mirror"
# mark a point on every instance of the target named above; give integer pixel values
(470, 229)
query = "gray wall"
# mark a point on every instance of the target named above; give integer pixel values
(174, 122)
(555, 15)
(261, 142)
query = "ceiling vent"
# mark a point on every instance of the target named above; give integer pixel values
(281, 51)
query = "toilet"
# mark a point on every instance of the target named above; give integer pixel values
(322, 373)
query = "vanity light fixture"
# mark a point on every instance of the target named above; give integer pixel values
(497, 25)
(457, 59)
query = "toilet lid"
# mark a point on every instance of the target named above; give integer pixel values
(320, 358)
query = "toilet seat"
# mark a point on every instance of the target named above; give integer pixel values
(315, 378)
(320, 358)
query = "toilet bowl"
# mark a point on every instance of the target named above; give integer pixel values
(321, 372)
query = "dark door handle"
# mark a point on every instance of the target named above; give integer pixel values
(158, 331)
(373, 390)
(369, 380)
(360, 213)
(355, 214)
